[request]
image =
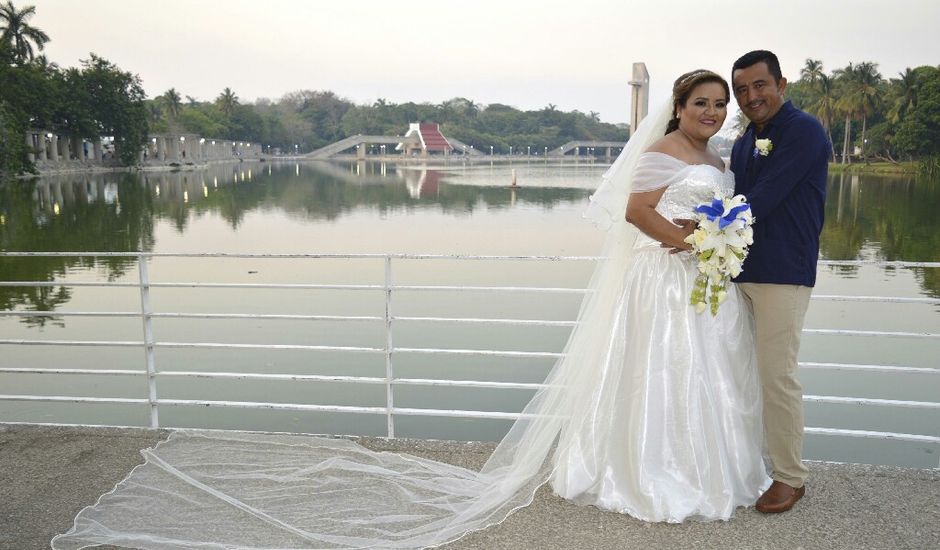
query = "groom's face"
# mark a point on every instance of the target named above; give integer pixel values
(758, 94)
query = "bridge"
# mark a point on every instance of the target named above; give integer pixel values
(577, 146)
(361, 144)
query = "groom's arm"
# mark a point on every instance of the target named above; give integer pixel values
(790, 162)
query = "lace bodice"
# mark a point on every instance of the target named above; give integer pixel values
(699, 184)
(689, 185)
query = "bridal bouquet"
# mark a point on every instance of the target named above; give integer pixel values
(720, 243)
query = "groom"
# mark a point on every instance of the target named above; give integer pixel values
(780, 164)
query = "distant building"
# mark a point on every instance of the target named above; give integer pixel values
(431, 140)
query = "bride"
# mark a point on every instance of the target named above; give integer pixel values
(654, 411)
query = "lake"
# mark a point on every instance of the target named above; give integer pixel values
(284, 208)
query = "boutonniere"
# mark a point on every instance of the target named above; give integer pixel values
(763, 147)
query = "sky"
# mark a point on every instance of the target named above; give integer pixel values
(576, 54)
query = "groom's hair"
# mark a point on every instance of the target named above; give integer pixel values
(758, 56)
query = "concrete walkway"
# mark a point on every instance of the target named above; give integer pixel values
(48, 474)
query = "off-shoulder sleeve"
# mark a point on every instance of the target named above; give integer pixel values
(655, 171)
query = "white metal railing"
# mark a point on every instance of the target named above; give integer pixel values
(149, 343)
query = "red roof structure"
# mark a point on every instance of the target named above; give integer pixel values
(432, 140)
(432, 137)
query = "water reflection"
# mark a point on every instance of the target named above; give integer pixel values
(869, 216)
(884, 217)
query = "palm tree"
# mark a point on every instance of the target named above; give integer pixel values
(846, 105)
(904, 94)
(861, 96)
(18, 34)
(812, 71)
(227, 101)
(739, 124)
(473, 108)
(824, 106)
(868, 91)
(172, 99)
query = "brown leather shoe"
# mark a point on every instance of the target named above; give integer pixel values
(780, 497)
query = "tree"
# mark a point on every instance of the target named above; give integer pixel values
(824, 106)
(227, 101)
(740, 122)
(904, 92)
(18, 34)
(117, 105)
(172, 100)
(860, 97)
(812, 71)
(868, 92)
(918, 133)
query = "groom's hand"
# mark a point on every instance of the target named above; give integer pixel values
(687, 227)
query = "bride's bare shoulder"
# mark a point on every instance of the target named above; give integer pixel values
(667, 145)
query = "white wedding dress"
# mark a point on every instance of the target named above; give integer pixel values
(654, 411)
(680, 435)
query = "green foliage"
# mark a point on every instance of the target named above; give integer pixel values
(116, 104)
(918, 132)
(312, 119)
(900, 117)
(18, 35)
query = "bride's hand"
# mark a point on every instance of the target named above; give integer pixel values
(687, 226)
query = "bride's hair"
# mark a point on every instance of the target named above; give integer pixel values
(682, 89)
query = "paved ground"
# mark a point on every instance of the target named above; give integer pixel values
(48, 474)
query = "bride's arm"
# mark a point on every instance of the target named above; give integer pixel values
(641, 212)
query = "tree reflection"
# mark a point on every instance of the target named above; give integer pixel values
(888, 217)
(893, 217)
(84, 213)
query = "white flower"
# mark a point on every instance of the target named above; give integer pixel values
(763, 146)
(720, 250)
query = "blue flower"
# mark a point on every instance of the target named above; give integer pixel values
(716, 211)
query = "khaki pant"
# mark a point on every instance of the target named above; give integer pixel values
(779, 311)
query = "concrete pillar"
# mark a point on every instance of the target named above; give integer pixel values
(640, 100)
(42, 148)
(96, 147)
(54, 148)
(577, 151)
(64, 148)
(607, 154)
(161, 148)
(77, 148)
(30, 147)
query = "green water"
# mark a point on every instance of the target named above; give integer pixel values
(374, 208)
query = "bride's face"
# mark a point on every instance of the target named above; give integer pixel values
(705, 111)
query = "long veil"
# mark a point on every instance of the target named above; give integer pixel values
(202, 489)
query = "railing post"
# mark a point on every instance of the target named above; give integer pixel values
(389, 372)
(146, 316)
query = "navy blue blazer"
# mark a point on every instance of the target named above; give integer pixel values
(787, 193)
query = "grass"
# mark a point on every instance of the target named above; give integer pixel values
(874, 168)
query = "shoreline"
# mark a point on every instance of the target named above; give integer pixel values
(881, 167)
(100, 169)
